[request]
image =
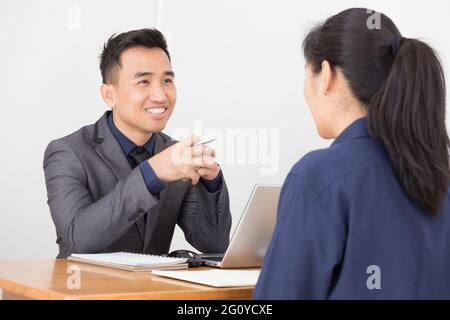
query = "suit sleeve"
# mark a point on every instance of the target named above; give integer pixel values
(84, 225)
(305, 248)
(206, 219)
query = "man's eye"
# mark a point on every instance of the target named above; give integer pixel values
(143, 82)
(167, 81)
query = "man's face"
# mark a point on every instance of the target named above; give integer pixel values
(144, 92)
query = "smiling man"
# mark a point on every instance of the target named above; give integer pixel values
(121, 184)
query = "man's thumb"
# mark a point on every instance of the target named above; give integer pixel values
(191, 140)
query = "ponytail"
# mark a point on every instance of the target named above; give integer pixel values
(407, 115)
(401, 82)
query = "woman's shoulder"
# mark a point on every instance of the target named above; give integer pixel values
(323, 166)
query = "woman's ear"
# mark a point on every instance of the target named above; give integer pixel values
(327, 77)
(108, 95)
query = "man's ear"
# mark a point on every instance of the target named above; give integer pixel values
(108, 94)
(327, 81)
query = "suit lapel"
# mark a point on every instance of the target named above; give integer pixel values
(109, 150)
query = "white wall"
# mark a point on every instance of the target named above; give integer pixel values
(238, 65)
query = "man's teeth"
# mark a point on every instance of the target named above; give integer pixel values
(155, 110)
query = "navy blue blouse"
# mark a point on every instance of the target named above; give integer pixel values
(347, 230)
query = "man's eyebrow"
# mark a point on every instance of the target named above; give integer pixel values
(140, 74)
(170, 73)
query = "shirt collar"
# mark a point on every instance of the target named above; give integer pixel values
(126, 144)
(357, 129)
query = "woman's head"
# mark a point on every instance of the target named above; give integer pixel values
(356, 68)
(330, 100)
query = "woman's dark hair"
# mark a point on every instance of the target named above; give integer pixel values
(116, 44)
(401, 83)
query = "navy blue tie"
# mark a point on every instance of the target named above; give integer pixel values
(139, 154)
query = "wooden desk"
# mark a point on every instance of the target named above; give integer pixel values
(52, 279)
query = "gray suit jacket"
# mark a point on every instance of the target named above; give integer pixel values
(98, 202)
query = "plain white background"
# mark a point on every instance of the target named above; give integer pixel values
(238, 66)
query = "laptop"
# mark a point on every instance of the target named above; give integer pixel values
(253, 232)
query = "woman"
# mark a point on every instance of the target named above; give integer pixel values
(369, 217)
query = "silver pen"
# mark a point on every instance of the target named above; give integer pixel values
(204, 141)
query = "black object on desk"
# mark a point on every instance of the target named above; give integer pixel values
(194, 259)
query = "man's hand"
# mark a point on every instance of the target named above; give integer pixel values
(184, 160)
(209, 169)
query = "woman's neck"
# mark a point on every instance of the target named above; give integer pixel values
(352, 113)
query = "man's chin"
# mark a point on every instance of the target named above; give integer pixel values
(155, 128)
(155, 125)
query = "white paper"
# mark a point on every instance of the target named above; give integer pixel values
(215, 277)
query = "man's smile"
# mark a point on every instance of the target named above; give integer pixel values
(156, 110)
(157, 113)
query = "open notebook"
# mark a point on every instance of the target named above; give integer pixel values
(131, 261)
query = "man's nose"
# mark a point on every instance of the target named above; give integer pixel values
(157, 94)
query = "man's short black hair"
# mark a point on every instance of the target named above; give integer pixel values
(117, 43)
